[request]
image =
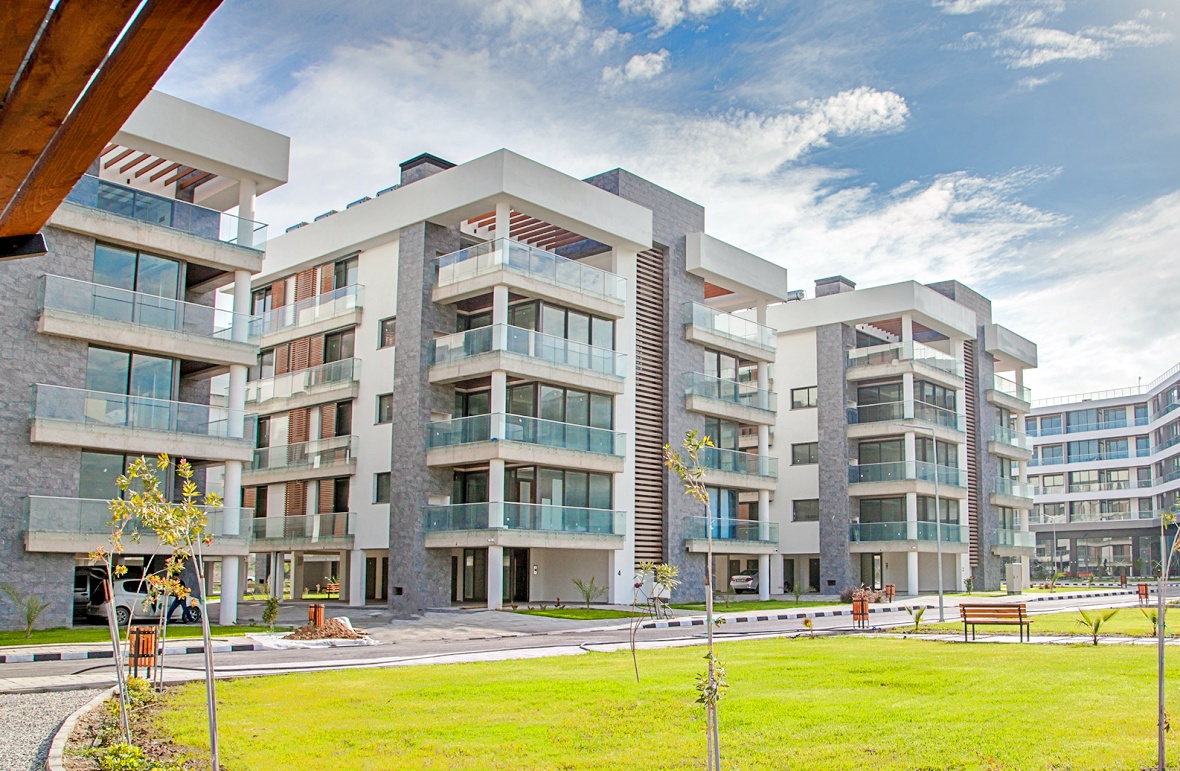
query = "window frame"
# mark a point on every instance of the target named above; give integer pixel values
(381, 337)
(811, 394)
(377, 478)
(812, 454)
(378, 421)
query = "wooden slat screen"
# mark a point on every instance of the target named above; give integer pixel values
(650, 432)
(304, 284)
(296, 503)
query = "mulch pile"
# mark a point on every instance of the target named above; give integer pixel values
(333, 629)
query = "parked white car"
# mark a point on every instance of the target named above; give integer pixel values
(745, 581)
(131, 601)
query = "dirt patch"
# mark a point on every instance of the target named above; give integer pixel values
(333, 629)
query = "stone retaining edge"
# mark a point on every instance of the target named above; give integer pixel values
(57, 747)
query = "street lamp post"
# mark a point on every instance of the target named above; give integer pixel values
(937, 515)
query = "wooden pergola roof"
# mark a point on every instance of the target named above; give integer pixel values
(71, 73)
(128, 161)
(528, 230)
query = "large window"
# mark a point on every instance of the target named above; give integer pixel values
(262, 301)
(948, 454)
(1052, 454)
(134, 374)
(340, 489)
(381, 485)
(805, 510)
(804, 397)
(805, 453)
(1050, 425)
(887, 451)
(339, 345)
(385, 408)
(343, 424)
(137, 272)
(882, 509)
(260, 501)
(265, 368)
(558, 487)
(551, 320)
(99, 473)
(387, 332)
(563, 405)
(725, 433)
(881, 393)
(937, 395)
(949, 507)
(344, 272)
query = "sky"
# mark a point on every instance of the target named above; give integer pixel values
(1028, 148)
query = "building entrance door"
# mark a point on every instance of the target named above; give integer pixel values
(475, 575)
(516, 575)
(813, 573)
(871, 571)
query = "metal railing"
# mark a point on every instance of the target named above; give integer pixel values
(731, 529)
(862, 532)
(732, 391)
(1013, 487)
(315, 454)
(1010, 388)
(907, 410)
(535, 345)
(92, 516)
(1012, 438)
(303, 381)
(504, 254)
(323, 529)
(143, 206)
(728, 325)
(888, 353)
(738, 462)
(113, 304)
(529, 430)
(1017, 538)
(304, 313)
(900, 471)
(78, 405)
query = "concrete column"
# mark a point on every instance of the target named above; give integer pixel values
(495, 577)
(243, 576)
(208, 575)
(344, 577)
(910, 442)
(764, 578)
(276, 574)
(776, 574)
(624, 264)
(356, 578)
(907, 395)
(235, 428)
(907, 328)
(911, 515)
(247, 191)
(503, 215)
(911, 568)
(964, 571)
(315, 423)
(296, 575)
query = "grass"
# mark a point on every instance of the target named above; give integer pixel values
(1128, 621)
(580, 614)
(737, 605)
(90, 634)
(826, 703)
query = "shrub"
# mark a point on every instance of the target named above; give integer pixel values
(860, 593)
(270, 614)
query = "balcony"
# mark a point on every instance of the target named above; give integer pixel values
(1011, 493)
(335, 381)
(316, 459)
(78, 525)
(724, 398)
(1010, 443)
(1013, 543)
(315, 315)
(898, 478)
(523, 439)
(143, 322)
(907, 536)
(528, 354)
(731, 536)
(716, 329)
(77, 417)
(886, 419)
(526, 525)
(1007, 394)
(896, 359)
(535, 272)
(332, 532)
(738, 469)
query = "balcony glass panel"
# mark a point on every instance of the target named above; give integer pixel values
(304, 313)
(520, 428)
(535, 345)
(727, 325)
(1012, 438)
(308, 528)
(459, 516)
(721, 389)
(318, 453)
(1005, 486)
(303, 381)
(113, 304)
(90, 516)
(907, 471)
(731, 529)
(129, 202)
(738, 462)
(1018, 538)
(863, 532)
(502, 254)
(912, 351)
(1009, 387)
(907, 410)
(77, 405)
(563, 519)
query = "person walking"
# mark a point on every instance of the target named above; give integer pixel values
(178, 602)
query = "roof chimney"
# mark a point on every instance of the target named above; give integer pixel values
(833, 285)
(422, 166)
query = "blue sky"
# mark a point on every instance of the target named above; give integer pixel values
(1028, 148)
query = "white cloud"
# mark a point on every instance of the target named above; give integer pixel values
(669, 13)
(1032, 83)
(531, 17)
(638, 67)
(609, 38)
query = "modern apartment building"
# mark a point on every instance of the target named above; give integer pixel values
(530, 342)
(900, 439)
(1105, 465)
(113, 337)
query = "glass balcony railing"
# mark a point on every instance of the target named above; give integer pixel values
(1012, 438)
(1090, 457)
(535, 345)
(864, 532)
(738, 462)
(98, 408)
(104, 195)
(323, 529)
(908, 410)
(1013, 487)
(732, 391)
(304, 313)
(902, 471)
(521, 428)
(731, 529)
(1017, 538)
(1103, 516)
(1055, 460)
(112, 304)
(303, 381)
(912, 351)
(1010, 388)
(329, 453)
(727, 325)
(91, 516)
(1098, 425)
(525, 516)
(503, 254)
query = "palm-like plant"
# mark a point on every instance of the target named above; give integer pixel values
(589, 590)
(916, 612)
(29, 606)
(1094, 620)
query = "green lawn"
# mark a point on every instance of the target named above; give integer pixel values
(1127, 621)
(580, 614)
(825, 703)
(90, 634)
(741, 605)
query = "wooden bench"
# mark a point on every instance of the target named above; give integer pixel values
(332, 589)
(997, 615)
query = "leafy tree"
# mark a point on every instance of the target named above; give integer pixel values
(270, 613)
(30, 606)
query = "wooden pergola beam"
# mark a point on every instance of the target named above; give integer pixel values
(117, 158)
(20, 20)
(159, 33)
(131, 164)
(140, 172)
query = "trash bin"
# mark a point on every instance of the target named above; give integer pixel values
(315, 614)
(142, 642)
